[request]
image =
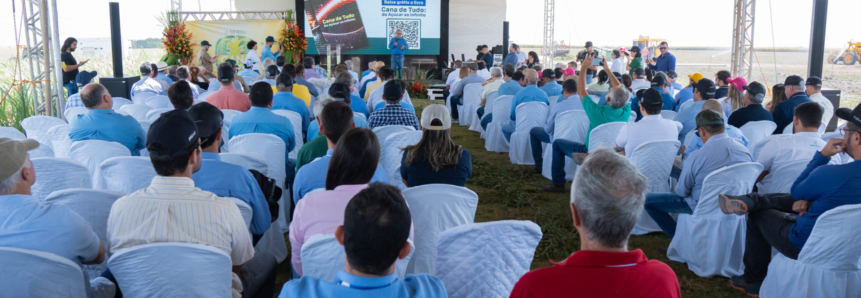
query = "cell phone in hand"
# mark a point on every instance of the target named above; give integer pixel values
(599, 61)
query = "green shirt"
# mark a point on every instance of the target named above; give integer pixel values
(603, 114)
(311, 151)
(635, 63)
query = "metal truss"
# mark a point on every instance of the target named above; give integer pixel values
(549, 51)
(44, 61)
(230, 15)
(742, 38)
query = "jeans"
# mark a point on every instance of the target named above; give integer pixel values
(71, 88)
(588, 79)
(508, 130)
(454, 102)
(398, 65)
(486, 120)
(537, 136)
(766, 228)
(561, 149)
(480, 111)
(660, 205)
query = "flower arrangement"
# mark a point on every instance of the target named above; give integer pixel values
(293, 43)
(177, 42)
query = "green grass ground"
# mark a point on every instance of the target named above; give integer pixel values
(509, 191)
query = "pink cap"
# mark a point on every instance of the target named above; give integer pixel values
(738, 83)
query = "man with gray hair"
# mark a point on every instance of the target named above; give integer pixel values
(349, 64)
(606, 201)
(491, 85)
(356, 103)
(795, 90)
(102, 123)
(182, 74)
(368, 74)
(171, 72)
(617, 109)
(147, 83)
(310, 73)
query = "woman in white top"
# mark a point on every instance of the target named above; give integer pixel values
(602, 86)
(251, 58)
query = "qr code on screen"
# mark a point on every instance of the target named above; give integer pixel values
(410, 30)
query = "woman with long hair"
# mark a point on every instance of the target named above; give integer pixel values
(735, 98)
(602, 86)
(435, 159)
(197, 78)
(636, 62)
(532, 59)
(777, 96)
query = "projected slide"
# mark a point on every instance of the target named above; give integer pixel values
(365, 27)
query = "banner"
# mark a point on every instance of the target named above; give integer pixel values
(229, 38)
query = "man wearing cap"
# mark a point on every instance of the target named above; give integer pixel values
(227, 97)
(247, 72)
(511, 57)
(719, 151)
(639, 80)
(733, 132)
(285, 100)
(82, 79)
(814, 91)
(819, 188)
(102, 123)
(457, 94)
(376, 99)
(267, 52)
(704, 90)
(548, 76)
(652, 127)
(794, 88)
(204, 60)
(569, 100)
(659, 83)
(529, 94)
(753, 110)
(161, 72)
(393, 113)
(590, 70)
(150, 215)
(687, 93)
(666, 61)
(225, 179)
(147, 83)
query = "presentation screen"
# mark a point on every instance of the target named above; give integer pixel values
(365, 27)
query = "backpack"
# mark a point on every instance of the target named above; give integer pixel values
(270, 190)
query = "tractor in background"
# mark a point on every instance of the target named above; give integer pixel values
(848, 56)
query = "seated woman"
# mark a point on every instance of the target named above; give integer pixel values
(435, 159)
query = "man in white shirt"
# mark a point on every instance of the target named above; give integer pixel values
(521, 57)
(814, 91)
(639, 80)
(618, 62)
(801, 145)
(148, 83)
(652, 127)
(454, 74)
(349, 64)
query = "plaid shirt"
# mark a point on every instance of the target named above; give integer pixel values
(393, 114)
(74, 101)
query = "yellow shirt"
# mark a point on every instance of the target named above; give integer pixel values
(302, 93)
(371, 88)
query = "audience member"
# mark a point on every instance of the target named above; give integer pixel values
(319, 69)
(651, 128)
(384, 74)
(82, 79)
(601, 86)
(370, 78)
(324, 83)
(182, 75)
(367, 74)
(310, 70)
(285, 100)
(570, 100)
(517, 83)
(269, 75)
(665, 61)
(671, 77)
(639, 80)
(260, 119)
(794, 88)
(731, 131)
(375, 99)
(704, 89)
(687, 93)
(482, 71)
(722, 80)
(356, 103)
(752, 111)
(238, 81)
(659, 83)
(338, 92)
(349, 65)
(180, 95)
(636, 62)
(171, 73)
(228, 97)
(551, 88)
(197, 78)
(606, 201)
(457, 94)
(262, 72)
(814, 91)
(301, 91)
(618, 62)
(801, 145)
(491, 85)
(735, 97)
(435, 159)
(819, 188)
(511, 57)
(102, 123)
(528, 94)
(393, 113)
(161, 72)
(147, 83)
(280, 61)
(453, 76)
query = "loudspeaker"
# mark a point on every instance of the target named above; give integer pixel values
(832, 95)
(119, 87)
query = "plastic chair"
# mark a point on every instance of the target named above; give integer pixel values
(495, 141)
(125, 174)
(780, 180)
(159, 102)
(829, 265)
(570, 125)
(11, 132)
(529, 115)
(249, 160)
(384, 132)
(172, 270)
(60, 141)
(323, 257)
(36, 127)
(153, 114)
(142, 97)
(73, 113)
(471, 100)
(229, 114)
(296, 120)
(712, 243)
(55, 174)
(244, 209)
(119, 102)
(436, 208)
(604, 136)
(31, 273)
(95, 207)
(655, 161)
(756, 131)
(91, 153)
(393, 152)
(137, 111)
(667, 114)
(485, 259)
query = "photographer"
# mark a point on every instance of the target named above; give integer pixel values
(590, 70)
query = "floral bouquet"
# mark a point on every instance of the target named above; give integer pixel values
(177, 43)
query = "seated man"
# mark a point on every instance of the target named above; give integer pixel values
(753, 110)
(548, 76)
(704, 89)
(639, 80)
(260, 119)
(616, 110)
(227, 180)
(335, 119)
(358, 105)
(375, 99)
(228, 97)
(180, 95)
(171, 73)
(606, 201)
(393, 113)
(285, 100)
(299, 90)
(517, 83)
(82, 79)
(338, 92)
(652, 128)
(570, 100)
(794, 88)
(238, 81)
(269, 74)
(247, 71)
(102, 123)
(182, 74)
(371, 80)
(719, 151)
(148, 83)
(687, 93)
(27, 223)
(491, 85)
(457, 93)
(529, 94)
(305, 72)
(662, 85)
(374, 234)
(731, 131)
(161, 73)
(802, 145)
(818, 189)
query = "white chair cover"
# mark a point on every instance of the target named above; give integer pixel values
(138, 111)
(44, 150)
(712, 243)
(141, 98)
(488, 108)
(73, 113)
(448, 99)
(125, 174)
(655, 161)
(383, 132)
(829, 265)
(159, 102)
(471, 100)
(667, 114)
(60, 141)
(495, 141)
(780, 180)
(529, 115)
(37, 128)
(296, 120)
(244, 209)
(323, 257)
(604, 136)
(485, 259)
(11, 132)
(787, 130)
(436, 208)
(756, 131)
(754, 151)
(249, 160)
(689, 138)
(172, 270)
(633, 117)
(153, 114)
(55, 174)
(204, 95)
(91, 153)
(229, 114)
(94, 206)
(570, 125)
(37, 274)
(393, 152)
(119, 102)
(553, 101)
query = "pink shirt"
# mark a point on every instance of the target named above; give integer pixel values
(320, 213)
(228, 98)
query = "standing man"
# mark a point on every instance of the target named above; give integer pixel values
(70, 65)
(511, 58)
(204, 59)
(398, 46)
(267, 50)
(590, 70)
(666, 62)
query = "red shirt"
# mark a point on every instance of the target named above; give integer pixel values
(228, 98)
(601, 274)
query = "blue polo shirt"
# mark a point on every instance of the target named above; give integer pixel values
(669, 103)
(262, 120)
(396, 50)
(529, 94)
(785, 110)
(665, 63)
(107, 125)
(359, 105)
(683, 96)
(688, 117)
(347, 285)
(511, 58)
(234, 181)
(313, 176)
(314, 128)
(163, 77)
(267, 53)
(510, 88)
(552, 89)
(285, 100)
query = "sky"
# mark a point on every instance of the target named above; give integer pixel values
(610, 23)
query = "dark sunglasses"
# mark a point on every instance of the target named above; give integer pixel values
(663, 48)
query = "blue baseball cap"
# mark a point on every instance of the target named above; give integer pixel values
(270, 39)
(85, 77)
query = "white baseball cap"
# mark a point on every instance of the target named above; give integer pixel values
(436, 111)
